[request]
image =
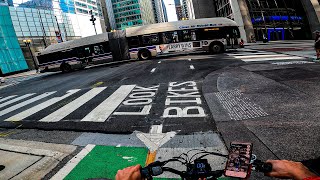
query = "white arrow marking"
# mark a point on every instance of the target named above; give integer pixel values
(155, 139)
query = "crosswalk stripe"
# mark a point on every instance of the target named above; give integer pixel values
(261, 56)
(24, 103)
(16, 99)
(274, 58)
(72, 106)
(39, 107)
(246, 54)
(108, 106)
(6, 98)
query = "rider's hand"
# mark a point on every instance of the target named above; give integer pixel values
(288, 169)
(129, 173)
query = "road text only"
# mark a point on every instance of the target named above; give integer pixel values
(140, 96)
(183, 100)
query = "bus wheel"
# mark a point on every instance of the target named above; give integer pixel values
(65, 67)
(144, 54)
(216, 48)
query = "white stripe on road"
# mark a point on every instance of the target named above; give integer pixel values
(24, 103)
(273, 59)
(72, 106)
(152, 71)
(248, 54)
(63, 172)
(159, 62)
(191, 67)
(6, 98)
(39, 107)
(261, 56)
(189, 59)
(102, 112)
(16, 99)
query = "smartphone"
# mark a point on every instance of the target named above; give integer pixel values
(238, 164)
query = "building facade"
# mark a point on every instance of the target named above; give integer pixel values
(179, 12)
(121, 14)
(197, 9)
(44, 23)
(160, 11)
(272, 19)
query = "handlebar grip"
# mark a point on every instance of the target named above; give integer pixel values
(145, 173)
(266, 167)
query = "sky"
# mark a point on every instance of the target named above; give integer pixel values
(171, 10)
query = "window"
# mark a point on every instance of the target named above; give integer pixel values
(170, 37)
(134, 42)
(152, 39)
(96, 50)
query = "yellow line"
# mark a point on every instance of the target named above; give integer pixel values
(97, 84)
(151, 157)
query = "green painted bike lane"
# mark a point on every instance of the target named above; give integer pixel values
(105, 161)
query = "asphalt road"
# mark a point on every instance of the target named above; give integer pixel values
(267, 98)
(119, 98)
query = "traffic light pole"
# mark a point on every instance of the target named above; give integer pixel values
(93, 19)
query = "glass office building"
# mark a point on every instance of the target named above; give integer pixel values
(41, 21)
(272, 19)
(11, 56)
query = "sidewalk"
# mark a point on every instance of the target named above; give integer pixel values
(17, 78)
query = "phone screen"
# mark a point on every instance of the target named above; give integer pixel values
(238, 164)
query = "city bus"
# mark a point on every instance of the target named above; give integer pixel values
(79, 53)
(213, 35)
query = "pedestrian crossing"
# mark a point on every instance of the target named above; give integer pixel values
(249, 55)
(99, 103)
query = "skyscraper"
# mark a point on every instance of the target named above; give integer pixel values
(128, 13)
(43, 22)
(272, 19)
(179, 12)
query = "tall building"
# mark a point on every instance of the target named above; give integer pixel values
(44, 22)
(179, 12)
(272, 19)
(121, 14)
(197, 9)
(160, 11)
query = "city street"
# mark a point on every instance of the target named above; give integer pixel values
(264, 96)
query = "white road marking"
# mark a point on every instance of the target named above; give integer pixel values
(248, 54)
(154, 69)
(261, 56)
(108, 106)
(189, 59)
(24, 103)
(191, 67)
(155, 138)
(6, 98)
(273, 59)
(72, 106)
(39, 107)
(16, 99)
(159, 62)
(63, 172)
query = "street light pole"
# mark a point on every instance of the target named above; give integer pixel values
(27, 43)
(59, 28)
(93, 19)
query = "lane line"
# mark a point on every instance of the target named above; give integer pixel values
(39, 107)
(273, 59)
(159, 62)
(72, 106)
(16, 99)
(63, 172)
(24, 103)
(248, 54)
(191, 67)
(154, 69)
(102, 112)
(261, 56)
(6, 98)
(189, 59)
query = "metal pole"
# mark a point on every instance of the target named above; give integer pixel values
(59, 28)
(94, 25)
(34, 61)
